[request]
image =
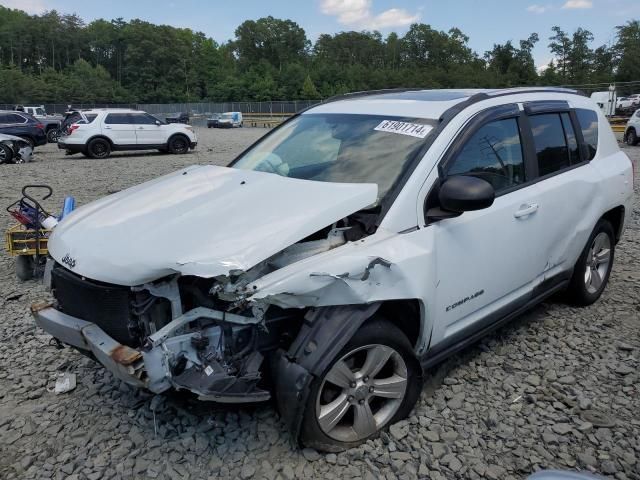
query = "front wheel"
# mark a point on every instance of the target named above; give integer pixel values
(6, 154)
(592, 270)
(178, 145)
(373, 382)
(632, 138)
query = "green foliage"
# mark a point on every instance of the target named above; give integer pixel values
(627, 51)
(56, 57)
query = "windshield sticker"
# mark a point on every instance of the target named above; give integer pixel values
(404, 128)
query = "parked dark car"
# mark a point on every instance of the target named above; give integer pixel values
(23, 125)
(178, 118)
(212, 120)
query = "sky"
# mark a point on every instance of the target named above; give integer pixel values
(486, 22)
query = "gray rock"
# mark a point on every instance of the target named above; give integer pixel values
(311, 455)
(247, 471)
(609, 467)
(624, 369)
(287, 472)
(561, 428)
(587, 460)
(399, 430)
(533, 380)
(439, 449)
(431, 435)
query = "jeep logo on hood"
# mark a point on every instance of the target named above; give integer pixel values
(69, 261)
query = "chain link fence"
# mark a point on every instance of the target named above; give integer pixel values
(276, 109)
(259, 109)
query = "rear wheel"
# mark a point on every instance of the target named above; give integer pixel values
(52, 135)
(632, 137)
(178, 144)
(6, 154)
(373, 382)
(592, 270)
(98, 148)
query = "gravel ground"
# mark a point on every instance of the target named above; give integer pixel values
(558, 388)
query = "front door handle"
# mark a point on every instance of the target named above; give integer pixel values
(107, 127)
(525, 210)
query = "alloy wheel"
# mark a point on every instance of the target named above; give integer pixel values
(179, 145)
(361, 393)
(99, 149)
(598, 260)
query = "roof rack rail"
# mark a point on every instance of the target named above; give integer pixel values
(488, 93)
(365, 93)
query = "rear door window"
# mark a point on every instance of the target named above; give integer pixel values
(550, 143)
(572, 141)
(15, 118)
(588, 120)
(119, 119)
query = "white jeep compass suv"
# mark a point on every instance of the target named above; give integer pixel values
(346, 251)
(102, 131)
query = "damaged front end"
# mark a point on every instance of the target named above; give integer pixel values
(15, 149)
(143, 336)
(204, 335)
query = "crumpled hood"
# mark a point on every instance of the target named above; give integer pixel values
(203, 220)
(4, 137)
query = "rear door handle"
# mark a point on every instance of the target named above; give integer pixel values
(526, 210)
(107, 127)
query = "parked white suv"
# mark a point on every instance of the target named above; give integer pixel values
(348, 250)
(632, 129)
(102, 131)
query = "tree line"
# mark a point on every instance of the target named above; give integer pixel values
(54, 57)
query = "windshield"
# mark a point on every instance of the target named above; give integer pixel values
(40, 111)
(340, 148)
(227, 116)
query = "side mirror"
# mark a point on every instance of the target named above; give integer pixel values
(158, 122)
(465, 193)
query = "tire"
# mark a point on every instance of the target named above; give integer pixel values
(632, 137)
(178, 144)
(24, 267)
(52, 135)
(376, 339)
(99, 148)
(591, 271)
(6, 154)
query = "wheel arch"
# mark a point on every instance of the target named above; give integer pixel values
(178, 134)
(103, 137)
(325, 331)
(615, 216)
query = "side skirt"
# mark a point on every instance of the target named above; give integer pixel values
(473, 333)
(135, 146)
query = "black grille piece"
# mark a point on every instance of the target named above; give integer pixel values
(104, 304)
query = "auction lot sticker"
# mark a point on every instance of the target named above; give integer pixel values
(404, 128)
